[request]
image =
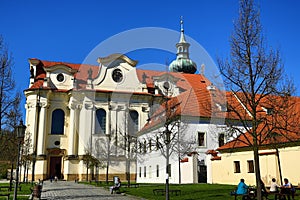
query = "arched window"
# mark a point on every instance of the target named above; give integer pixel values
(133, 124)
(100, 124)
(58, 122)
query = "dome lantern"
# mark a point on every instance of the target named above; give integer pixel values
(183, 63)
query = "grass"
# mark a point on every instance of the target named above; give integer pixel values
(23, 194)
(188, 191)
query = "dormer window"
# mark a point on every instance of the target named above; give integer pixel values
(60, 77)
(269, 111)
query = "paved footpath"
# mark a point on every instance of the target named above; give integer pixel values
(70, 190)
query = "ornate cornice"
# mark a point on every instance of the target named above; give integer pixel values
(116, 56)
(56, 151)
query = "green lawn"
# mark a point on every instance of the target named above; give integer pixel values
(188, 191)
(23, 194)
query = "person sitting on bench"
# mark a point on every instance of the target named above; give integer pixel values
(116, 186)
(274, 186)
(287, 189)
(242, 188)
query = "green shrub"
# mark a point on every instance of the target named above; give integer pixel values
(3, 170)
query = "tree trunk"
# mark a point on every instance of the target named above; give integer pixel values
(27, 174)
(279, 165)
(87, 172)
(11, 176)
(257, 172)
(25, 166)
(167, 170)
(108, 159)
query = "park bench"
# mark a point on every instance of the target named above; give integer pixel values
(244, 196)
(278, 195)
(116, 190)
(5, 195)
(163, 192)
(250, 195)
(135, 185)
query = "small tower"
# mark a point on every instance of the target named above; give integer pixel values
(183, 63)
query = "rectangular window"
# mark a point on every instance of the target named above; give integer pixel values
(250, 166)
(145, 171)
(140, 147)
(157, 143)
(169, 170)
(140, 172)
(221, 139)
(157, 170)
(201, 139)
(145, 147)
(150, 145)
(237, 167)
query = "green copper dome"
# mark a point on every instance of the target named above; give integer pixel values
(184, 65)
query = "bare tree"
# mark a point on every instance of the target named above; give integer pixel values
(7, 86)
(9, 153)
(103, 152)
(89, 159)
(9, 108)
(168, 138)
(25, 160)
(128, 144)
(254, 75)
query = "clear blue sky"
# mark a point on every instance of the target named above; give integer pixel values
(68, 30)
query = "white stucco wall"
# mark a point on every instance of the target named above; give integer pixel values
(188, 170)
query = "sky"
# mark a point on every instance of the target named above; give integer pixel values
(70, 30)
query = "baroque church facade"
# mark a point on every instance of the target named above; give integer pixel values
(107, 112)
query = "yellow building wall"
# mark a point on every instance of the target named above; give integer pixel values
(223, 170)
(290, 164)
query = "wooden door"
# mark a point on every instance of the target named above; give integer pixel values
(55, 167)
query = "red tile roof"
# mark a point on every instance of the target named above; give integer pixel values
(197, 101)
(279, 127)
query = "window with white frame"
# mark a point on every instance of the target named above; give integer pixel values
(201, 139)
(140, 172)
(133, 122)
(58, 122)
(221, 139)
(100, 123)
(169, 170)
(237, 167)
(250, 166)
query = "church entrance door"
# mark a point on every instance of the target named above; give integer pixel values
(55, 167)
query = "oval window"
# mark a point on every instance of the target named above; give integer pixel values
(117, 75)
(60, 77)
